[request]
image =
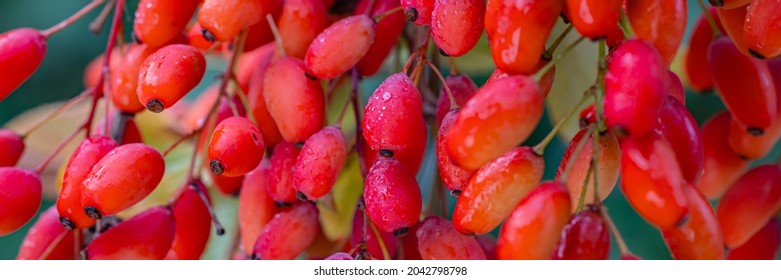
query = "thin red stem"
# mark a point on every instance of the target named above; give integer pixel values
(97, 25)
(73, 18)
(180, 141)
(358, 128)
(56, 151)
(100, 85)
(58, 111)
(453, 104)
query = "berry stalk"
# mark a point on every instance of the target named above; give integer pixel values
(73, 18)
(97, 24)
(539, 149)
(617, 234)
(73, 101)
(548, 54)
(556, 59)
(714, 28)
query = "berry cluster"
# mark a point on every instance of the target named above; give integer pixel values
(263, 132)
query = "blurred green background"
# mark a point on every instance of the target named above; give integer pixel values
(60, 77)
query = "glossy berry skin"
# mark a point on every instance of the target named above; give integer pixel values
(462, 88)
(169, 74)
(411, 156)
(47, 234)
(662, 23)
(546, 82)
(236, 147)
(696, 64)
(762, 30)
(749, 204)
(158, 22)
(256, 207)
(257, 101)
(296, 102)
(651, 180)
(634, 89)
(392, 196)
(495, 189)
(89, 153)
(488, 243)
(225, 185)
(700, 237)
(438, 240)
(394, 115)
(20, 198)
(21, 52)
(288, 234)
(222, 20)
(754, 147)
(733, 21)
(280, 183)
(593, 18)
(585, 237)
(192, 223)
(299, 24)
(722, 166)
(534, 227)
(517, 31)
(418, 11)
(373, 240)
(455, 178)
(609, 166)
(389, 27)
(456, 26)
(320, 162)
(675, 87)
(678, 127)
(122, 178)
(729, 4)
(762, 246)
(147, 236)
(327, 57)
(497, 118)
(11, 147)
(124, 77)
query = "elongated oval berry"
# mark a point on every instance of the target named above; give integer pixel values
(299, 24)
(20, 198)
(257, 102)
(696, 64)
(296, 102)
(47, 239)
(146, 236)
(733, 21)
(236, 147)
(375, 242)
(87, 155)
(456, 26)
(546, 81)
(462, 87)
(674, 87)
(281, 186)
(495, 189)
(609, 166)
(517, 31)
(744, 84)
(762, 246)
(124, 77)
(455, 178)
(158, 22)
(288, 234)
(226, 185)
(634, 90)
(438, 240)
(11, 147)
(751, 146)
(722, 166)
(169, 74)
(418, 11)
(392, 196)
(192, 223)
(411, 156)
(222, 20)
(320, 162)
(534, 227)
(749, 204)
(389, 26)
(676, 125)
(327, 57)
(256, 207)
(762, 30)
(661, 23)
(125, 176)
(500, 116)
(394, 115)
(593, 19)
(651, 180)
(700, 237)
(585, 237)
(728, 4)
(21, 52)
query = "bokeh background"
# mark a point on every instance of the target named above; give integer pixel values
(60, 78)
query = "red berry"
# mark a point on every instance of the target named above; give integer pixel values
(296, 102)
(700, 237)
(534, 227)
(222, 20)
(392, 196)
(454, 177)
(456, 26)
(488, 243)
(609, 166)
(762, 31)
(722, 166)
(21, 52)
(169, 74)
(257, 100)
(11, 147)
(762, 246)
(393, 116)
(327, 57)
(320, 162)
(192, 223)
(728, 4)
(147, 236)
(124, 77)
(696, 64)
(462, 87)
(661, 23)
(675, 87)
(256, 207)
(585, 237)
(280, 184)
(495, 189)
(418, 11)
(676, 125)
(20, 198)
(438, 240)
(158, 22)
(47, 239)
(226, 185)
(390, 27)
(733, 22)
(749, 204)
(299, 24)
(373, 240)
(236, 147)
(593, 19)
(125, 176)
(288, 234)
(497, 118)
